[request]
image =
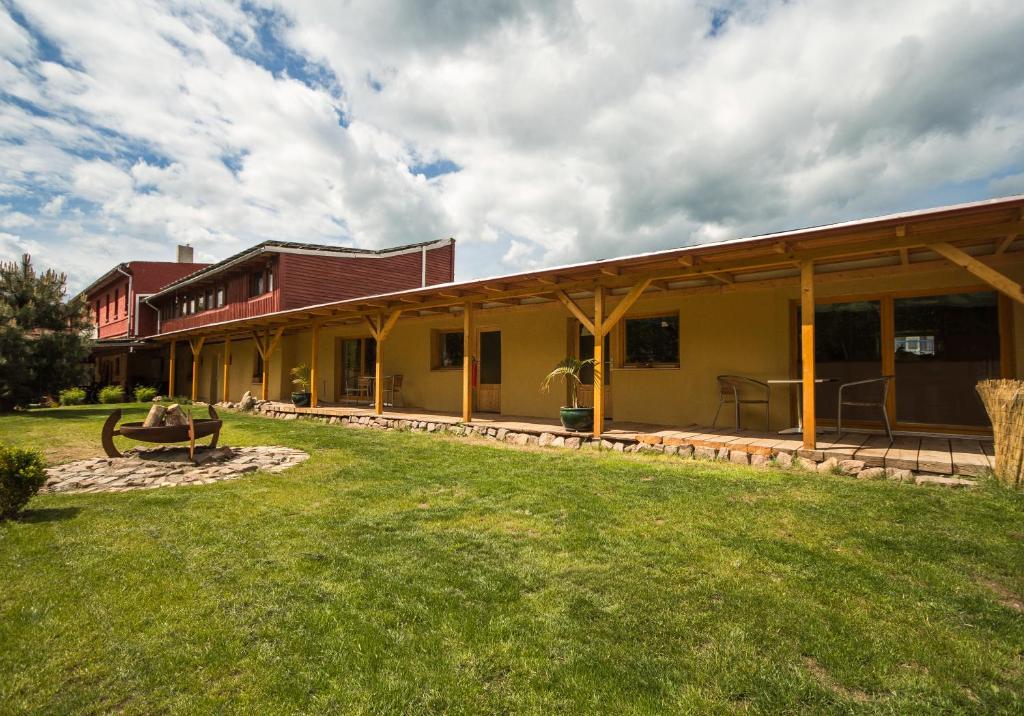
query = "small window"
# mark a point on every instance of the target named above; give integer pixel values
(192, 306)
(257, 367)
(652, 341)
(220, 296)
(256, 284)
(448, 350)
(117, 301)
(106, 308)
(201, 302)
(125, 303)
(97, 312)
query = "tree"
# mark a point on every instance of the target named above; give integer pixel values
(42, 335)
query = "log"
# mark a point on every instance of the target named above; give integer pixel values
(155, 417)
(175, 415)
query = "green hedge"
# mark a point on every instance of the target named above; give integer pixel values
(112, 394)
(22, 473)
(72, 396)
(144, 394)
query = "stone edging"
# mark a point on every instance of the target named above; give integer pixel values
(651, 444)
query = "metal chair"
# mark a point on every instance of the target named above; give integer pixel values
(360, 390)
(731, 388)
(883, 383)
(393, 390)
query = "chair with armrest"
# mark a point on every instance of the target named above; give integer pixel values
(740, 390)
(869, 393)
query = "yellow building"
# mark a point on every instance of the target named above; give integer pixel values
(931, 298)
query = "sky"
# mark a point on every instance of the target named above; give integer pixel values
(535, 132)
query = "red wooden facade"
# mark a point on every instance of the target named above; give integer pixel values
(115, 300)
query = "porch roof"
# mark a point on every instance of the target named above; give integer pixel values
(976, 236)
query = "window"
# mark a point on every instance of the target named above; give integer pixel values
(256, 284)
(106, 308)
(448, 350)
(201, 302)
(97, 313)
(257, 367)
(192, 306)
(220, 296)
(117, 300)
(652, 341)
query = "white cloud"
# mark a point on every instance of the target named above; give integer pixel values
(581, 129)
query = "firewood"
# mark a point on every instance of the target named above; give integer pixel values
(155, 417)
(175, 415)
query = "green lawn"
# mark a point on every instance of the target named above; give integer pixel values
(405, 572)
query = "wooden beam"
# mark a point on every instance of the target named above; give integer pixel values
(548, 280)
(378, 368)
(225, 390)
(575, 310)
(807, 352)
(1005, 244)
(197, 349)
(468, 354)
(495, 287)
(724, 277)
(170, 375)
(624, 305)
(389, 324)
(905, 256)
(1001, 282)
(314, 366)
(611, 270)
(599, 362)
(373, 326)
(450, 294)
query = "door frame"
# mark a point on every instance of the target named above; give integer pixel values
(480, 330)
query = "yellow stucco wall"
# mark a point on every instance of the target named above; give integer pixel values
(742, 332)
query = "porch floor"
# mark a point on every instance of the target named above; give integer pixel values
(943, 455)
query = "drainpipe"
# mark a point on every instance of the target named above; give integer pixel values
(146, 301)
(423, 267)
(129, 301)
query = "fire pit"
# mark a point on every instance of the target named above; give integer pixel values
(190, 432)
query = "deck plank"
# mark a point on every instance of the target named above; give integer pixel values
(968, 457)
(903, 453)
(935, 456)
(845, 446)
(873, 451)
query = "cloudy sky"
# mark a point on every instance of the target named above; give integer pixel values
(535, 132)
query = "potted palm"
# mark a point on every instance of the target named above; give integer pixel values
(573, 417)
(300, 379)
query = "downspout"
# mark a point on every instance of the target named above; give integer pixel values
(146, 301)
(423, 267)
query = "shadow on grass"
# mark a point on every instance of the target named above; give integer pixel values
(49, 514)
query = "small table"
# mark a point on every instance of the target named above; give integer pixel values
(798, 382)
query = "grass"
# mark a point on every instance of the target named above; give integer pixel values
(406, 572)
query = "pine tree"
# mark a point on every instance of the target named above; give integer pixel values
(42, 335)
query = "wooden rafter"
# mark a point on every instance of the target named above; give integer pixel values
(624, 305)
(999, 281)
(575, 310)
(1005, 244)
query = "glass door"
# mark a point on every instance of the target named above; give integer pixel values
(358, 359)
(944, 346)
(585, 351)
(488, 389)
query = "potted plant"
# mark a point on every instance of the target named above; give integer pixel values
(573, 416)
(300, 379)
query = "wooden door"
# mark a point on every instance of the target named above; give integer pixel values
(488, 389)
(585, 351)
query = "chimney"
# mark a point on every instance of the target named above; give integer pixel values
(185, 254)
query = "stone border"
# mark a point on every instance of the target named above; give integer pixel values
(807, 461)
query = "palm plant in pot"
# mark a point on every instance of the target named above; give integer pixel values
(300, 379)
(573, 417)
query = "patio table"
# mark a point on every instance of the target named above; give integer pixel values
(798, 382)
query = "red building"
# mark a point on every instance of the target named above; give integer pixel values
(122, 319)
(140, 299)
(278, 276)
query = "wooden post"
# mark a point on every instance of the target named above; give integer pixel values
(197, 348)
(170, 376)
(599, 359)
(314, 359)
(468, 353)
(265, 375)
(225, 382)
(266, 347)
(378, 369)
(807, 352)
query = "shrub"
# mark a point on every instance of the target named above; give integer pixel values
(144, 394)
(112, 394)
(22, 473)
(72, 396)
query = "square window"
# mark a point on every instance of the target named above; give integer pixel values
(220, 296)
(652, 341)
(256, 284)
(448, 350)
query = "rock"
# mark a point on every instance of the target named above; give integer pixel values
(619, 447)
(758, 460)
(828, 466)
(546, 439)
(559, 441)
(805, 463)
(899, 475)
(945, 481)
(871, 473)
(704, 453)
(155, 416)
(851, 467)
(247, 402)
(784, 459)
(684, 450)
(739, 457)
(158, 398)
(573, 443)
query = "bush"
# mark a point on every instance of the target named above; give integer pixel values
(112, 394)
(72, 396)
(144, 394)
(22, 473)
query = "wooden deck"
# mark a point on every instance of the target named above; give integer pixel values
(952, 455)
